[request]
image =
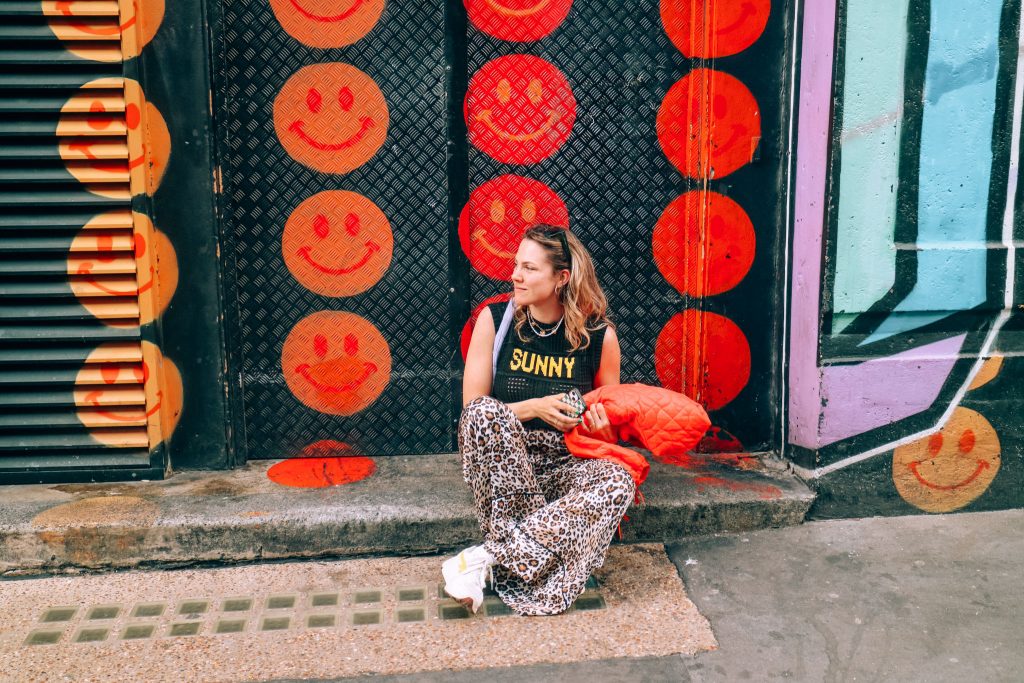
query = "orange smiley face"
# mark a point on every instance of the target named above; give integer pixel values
(327, 23)
(517, 20)
(337, 243)
(102, 272)
(336, 363)
(331, 117)
(709, 124)
(117, 388)
(950, 468)
(77, 24)
(97, 156)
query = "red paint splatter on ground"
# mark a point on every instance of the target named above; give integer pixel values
(764, 491)
(322, 464)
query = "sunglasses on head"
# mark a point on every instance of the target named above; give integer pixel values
(559, 234)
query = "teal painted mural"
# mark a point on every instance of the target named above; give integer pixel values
(904, 258)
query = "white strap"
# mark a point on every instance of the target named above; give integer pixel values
(500, 334)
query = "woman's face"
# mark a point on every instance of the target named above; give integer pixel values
(534, 277)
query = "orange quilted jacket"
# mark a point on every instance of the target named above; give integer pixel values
(664, 422)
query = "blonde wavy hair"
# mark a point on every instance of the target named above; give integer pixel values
(585, 304)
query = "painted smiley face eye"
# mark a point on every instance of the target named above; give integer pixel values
(966, 443)
(504, 91)
(95, 122)
(352, 224)
(320, 226)
(720, 106)
(140, 246)
(935, 444)
(498, 211)
(132, 116)
(351, 344)
(320, 345)
(314, 100)
(345, 99)
(535, 91)
(529, 210)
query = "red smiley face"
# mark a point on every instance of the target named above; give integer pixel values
(337, 243)
(519, 109)
(714, 28)
(709, 124)
(336, 363)
(331, 117)
(492, 223)
(327, 23)
(703, 243)
(517, 20)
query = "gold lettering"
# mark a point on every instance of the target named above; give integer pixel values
(541, 368)
(556, 367)
(517, 359)
(531, 357)
(569, 363)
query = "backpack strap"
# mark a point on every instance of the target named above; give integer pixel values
(501, 333)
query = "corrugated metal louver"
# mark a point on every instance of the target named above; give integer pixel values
(72, 372)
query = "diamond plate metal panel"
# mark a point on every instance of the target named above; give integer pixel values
(406, 179)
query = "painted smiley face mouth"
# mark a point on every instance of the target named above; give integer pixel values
(371, 249)
(93, 398)
(747, 10)
(518, 13)
(65, 9)
(304, 371)
(737, 134)
(479, 238)
(487, 120)
(982, 466)
(141, 289)
(325, 18)
(365, 125)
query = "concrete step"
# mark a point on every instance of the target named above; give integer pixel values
(410, 505)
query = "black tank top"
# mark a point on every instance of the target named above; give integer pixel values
(542, 366)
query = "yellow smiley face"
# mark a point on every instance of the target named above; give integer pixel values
(950, 468)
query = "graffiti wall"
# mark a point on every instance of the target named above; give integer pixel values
(903, 375)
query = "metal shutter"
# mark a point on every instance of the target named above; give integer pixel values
(72, 398)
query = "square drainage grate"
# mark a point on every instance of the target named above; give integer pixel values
(230, 626)
(237, 605)
(189, 628)
(153, 609)
(324, 600)
(276, 623)
(366, 597)
(92, 635)
(496, 608)
(589, 602)
(137, 631)
(43, 637)
(321, 621)
(367, 617)
(408, 615)
(449, 612)
(58, 614)
(104, 612)
(281, 602)
(194, 608)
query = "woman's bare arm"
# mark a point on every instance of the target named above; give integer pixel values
(611, 360)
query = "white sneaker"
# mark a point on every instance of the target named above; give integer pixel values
(466, 574)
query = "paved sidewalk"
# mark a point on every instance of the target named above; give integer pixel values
(930, 599)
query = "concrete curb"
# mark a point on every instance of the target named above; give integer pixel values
(411, 505)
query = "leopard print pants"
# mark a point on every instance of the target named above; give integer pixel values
(547, 517)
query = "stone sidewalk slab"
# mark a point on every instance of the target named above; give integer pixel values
(410, 505)
(320, 619)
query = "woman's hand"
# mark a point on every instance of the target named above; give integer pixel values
(597, 424)
(552, 409)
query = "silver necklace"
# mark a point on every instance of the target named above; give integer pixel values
(540, 332)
